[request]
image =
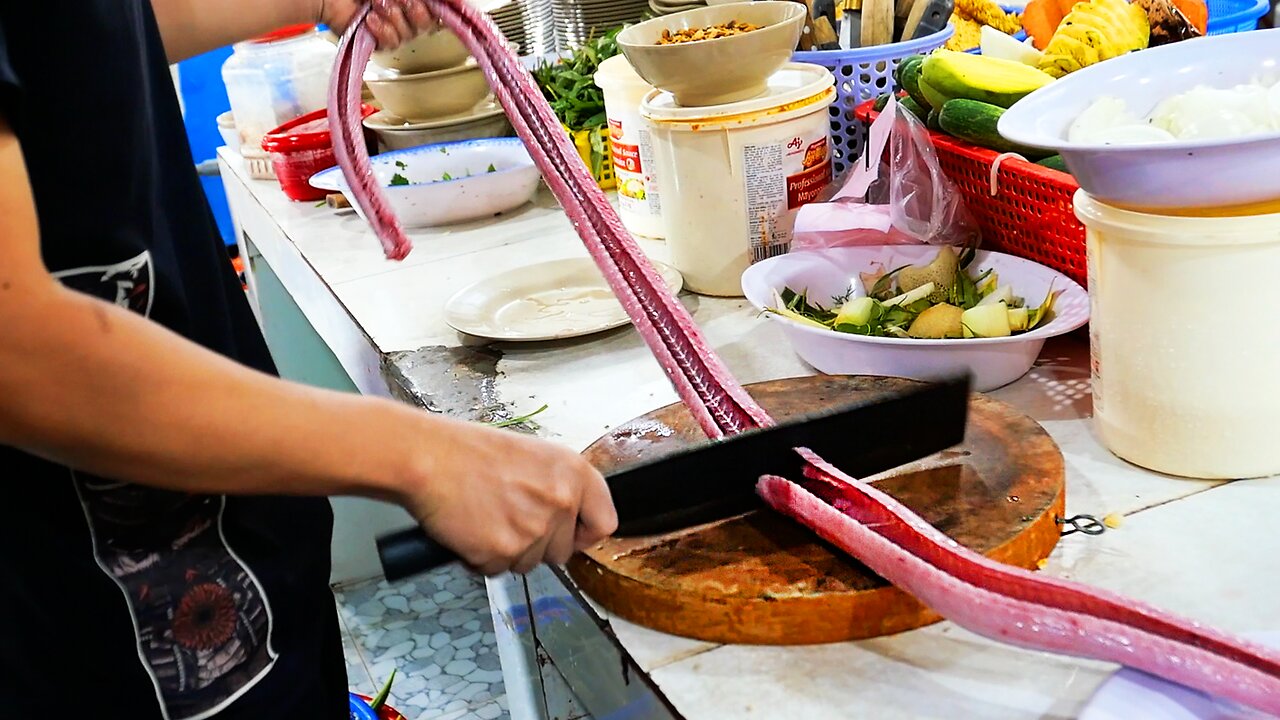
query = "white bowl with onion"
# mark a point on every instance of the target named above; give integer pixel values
(448, 183)
(1218, 156)
(834, 273)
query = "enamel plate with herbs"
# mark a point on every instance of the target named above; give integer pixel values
(943, 299)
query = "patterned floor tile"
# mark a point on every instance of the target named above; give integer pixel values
(436, 632)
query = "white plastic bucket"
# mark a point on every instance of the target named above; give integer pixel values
(630, 146)
(1185, 348)
(734, 175)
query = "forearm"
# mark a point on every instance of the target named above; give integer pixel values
(101, 389)
(192, 27)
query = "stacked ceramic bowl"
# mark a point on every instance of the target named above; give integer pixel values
(577, 21)
(671, 7)
(431, 90)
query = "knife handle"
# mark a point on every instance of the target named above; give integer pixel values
(411, 551)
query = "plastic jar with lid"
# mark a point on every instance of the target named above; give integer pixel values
(631, 146)
(275, 78)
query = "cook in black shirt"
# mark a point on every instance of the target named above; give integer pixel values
(165, 545)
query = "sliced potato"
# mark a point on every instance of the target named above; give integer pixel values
(939, 321)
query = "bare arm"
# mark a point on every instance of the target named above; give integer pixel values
(203, 423)
(192, 27)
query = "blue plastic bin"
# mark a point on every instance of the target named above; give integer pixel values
(1233, 16)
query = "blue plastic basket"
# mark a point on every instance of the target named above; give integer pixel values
(861, 75)
(1233, 16)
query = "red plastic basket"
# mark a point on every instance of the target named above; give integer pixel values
(1030, 215)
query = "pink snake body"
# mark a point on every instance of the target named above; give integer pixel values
(994, 600)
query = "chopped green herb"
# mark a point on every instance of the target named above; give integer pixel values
(522, 420)
(446, 177)
(399, 179)
(400, 164)
(492, 168)
(320, 204)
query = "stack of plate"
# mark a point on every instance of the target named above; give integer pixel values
(578, 21)
(539, 27)
(671, 7)
(509, 19)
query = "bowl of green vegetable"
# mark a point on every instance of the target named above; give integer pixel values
(916, 311)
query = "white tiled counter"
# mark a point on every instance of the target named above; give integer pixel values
(1202, 549)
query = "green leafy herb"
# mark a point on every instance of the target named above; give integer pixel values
(400, 164)
(381, 699)
(399, 179)
(521, 420)
(568, 83)
(446, 177)
(492, 168)
(320, 204)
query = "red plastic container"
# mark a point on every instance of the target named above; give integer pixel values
(303, 147)
(1031, 213)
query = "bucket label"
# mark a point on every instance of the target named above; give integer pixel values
(637, 192)
(780, 177)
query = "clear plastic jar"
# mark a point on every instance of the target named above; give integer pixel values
(275, 78)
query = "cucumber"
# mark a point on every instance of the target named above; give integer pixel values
(1054, 162)
(935, 120)
(911, 83)
(914, 108)
(881, 101)
(978, 77)
(976, 121)
(908, 60)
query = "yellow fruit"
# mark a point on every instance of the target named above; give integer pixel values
(1094, 31)
(939, 321)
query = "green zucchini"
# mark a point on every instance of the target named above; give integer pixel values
(976, 121)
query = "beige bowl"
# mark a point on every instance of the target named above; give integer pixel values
(437, 50)
(724, 70)
(425, 96)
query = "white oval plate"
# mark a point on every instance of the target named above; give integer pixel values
(1132, 694)
(553, 300)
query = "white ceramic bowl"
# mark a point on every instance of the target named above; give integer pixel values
(993, 362)
(430, 200)
(1165, 176)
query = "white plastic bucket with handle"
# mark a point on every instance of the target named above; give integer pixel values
(734, 175)
(1184, 342)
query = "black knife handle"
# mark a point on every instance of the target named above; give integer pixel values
(411, 551)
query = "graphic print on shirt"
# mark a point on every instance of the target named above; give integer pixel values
(202, 621)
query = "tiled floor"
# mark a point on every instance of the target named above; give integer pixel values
(436, 632)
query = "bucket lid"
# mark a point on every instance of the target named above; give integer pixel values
(792, 83)
(617, 71)
(284, 33)
(308, 132)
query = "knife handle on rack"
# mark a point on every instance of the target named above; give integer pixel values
(411, 551)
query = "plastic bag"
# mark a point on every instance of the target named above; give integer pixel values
(905, 199)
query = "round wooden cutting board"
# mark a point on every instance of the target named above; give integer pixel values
(760, 578)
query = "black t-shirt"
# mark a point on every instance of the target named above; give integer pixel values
(120, 600)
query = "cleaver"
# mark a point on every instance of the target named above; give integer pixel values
(717, 479)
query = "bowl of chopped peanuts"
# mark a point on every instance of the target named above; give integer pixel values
(717, 54)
